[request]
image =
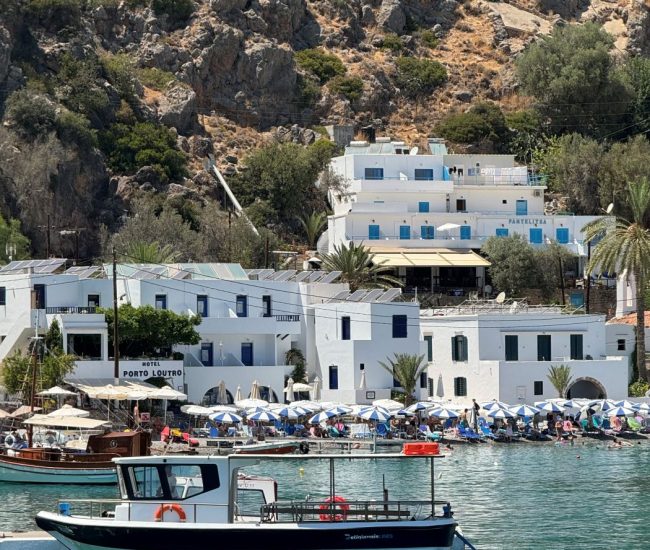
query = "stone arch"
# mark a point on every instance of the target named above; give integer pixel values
(586, 387)
(212, 395)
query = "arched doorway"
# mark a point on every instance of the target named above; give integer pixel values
(267, 394)
(587, 388)
(212, 395)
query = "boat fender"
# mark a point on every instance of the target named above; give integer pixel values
(340, 506)
(10, 441)
(170, 508)
(304, 448)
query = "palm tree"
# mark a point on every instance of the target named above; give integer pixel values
(313, 225)
(296, 358)
(406, 369)
(625, 247)
(561, 378)
(357, 267)
(149, 253)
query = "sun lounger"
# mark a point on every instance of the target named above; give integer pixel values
(360, 431)
(634, 424)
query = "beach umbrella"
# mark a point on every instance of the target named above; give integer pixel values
(448, 226)
(55, 391)
(301, 387)
(255, 390)
(264, 416)
(374, 413)
(388, 404)
(23, 410)
(574, 403)
(404, 412)
(625, 403)
(4, 414)
(251, 403)
(289, 389)
(289, 412)
(226, 417)
(642, 407)
(69, 410)
(339, 409)
(601, 404)
(501, 413)
(253, 410)
(196, 410)
(362, 381)
(489, 405)
(549, 406)
(238, 394)
(419, 406)
(166, 393)
(321, 417)
(221, 408)
(222, 394)
(443, 412)
(316, 389)
(311, 406)
(523, 410)
(620, 411)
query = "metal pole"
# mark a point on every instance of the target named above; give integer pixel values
(30, 430)
(561, 278)
(116, 349)
(433, 490)
(588, 278)
(48, 236)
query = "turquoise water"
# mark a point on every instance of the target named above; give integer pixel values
(520, 496)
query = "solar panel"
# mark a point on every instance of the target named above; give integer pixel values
(39, 266)
(315, 276)
(180, 274)
(373, 295)
(265, 274)
(83, 272)
(356, 295)
(330, 277)
(390, 295)
(285, 275)
(301, 276)
(340, 296)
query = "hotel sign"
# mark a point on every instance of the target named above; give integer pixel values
(527, 221)
(142, 370)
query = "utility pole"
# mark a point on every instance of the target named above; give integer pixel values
(116, 348)
(561, 277)
(49, 248)
(266, 251)
(588, 279)
(34, 361)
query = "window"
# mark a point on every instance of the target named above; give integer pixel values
(202, 305)
(430, 387)
(538, 387)
(425, 174)
(427, 232)
(429, 340)
(399, 326)
(161, 482)
(161, 301)
(3, 296)
(512, 347)
(345, 328)
(461, 205)
(374, 173)
(465, 232)
(93, 300)
(459, 348)
(576, 347)
(85, 346)
(404, 232)
(536, 236)
(502, 232)
(562, 235)
(543, 347)
(423, 206)
(423, 380)
(460, 386)
(247, 353)
(521, 208)
(267, 310)
(207, 354)
(38, 297)
(620, 344)
(241, 308)
(373, 232)
(334, 377)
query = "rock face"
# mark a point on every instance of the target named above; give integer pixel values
(177, 108)
(563, 8)
(392, 16)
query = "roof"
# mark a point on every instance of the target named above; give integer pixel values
(629, 319)
(432, 257)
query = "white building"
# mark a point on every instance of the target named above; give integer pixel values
(398, 202)
(488, 350)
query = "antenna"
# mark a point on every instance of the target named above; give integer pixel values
(501, 298)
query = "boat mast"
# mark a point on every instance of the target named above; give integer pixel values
(116, 348)
(34, 361)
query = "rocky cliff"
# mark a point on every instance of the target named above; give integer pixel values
(234, 80)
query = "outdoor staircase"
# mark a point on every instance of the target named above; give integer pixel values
(19, 335)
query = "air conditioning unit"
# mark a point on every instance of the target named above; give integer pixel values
(537, 193)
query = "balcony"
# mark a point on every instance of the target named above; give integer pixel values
(397, 184)
(274, 324)
(68, 310)
(538, 180)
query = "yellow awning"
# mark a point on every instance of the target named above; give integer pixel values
(446, 258)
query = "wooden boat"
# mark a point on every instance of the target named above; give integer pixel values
(271, 448)
(199, 501)
(53, 465)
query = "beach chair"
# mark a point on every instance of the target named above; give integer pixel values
(232, 432)
(585, 425)
(290, 429)
(214, 433)
(424, 432)
(333, 432)
(279, 428)
(381, 430)
(485, 431)
(359, 431)
(466, 434)
(634, 424)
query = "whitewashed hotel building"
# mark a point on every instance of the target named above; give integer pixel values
(395, 201)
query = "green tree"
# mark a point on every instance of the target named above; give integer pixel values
(32, 114)
(349, 87)
(12, 239)
(324, 66)
(512, 263)
(637, 76)
(406, 369)
(357, 267)
(313, 225)
(526, 134)
(572, 76)
(148, 332)
(54, 338)
(624, 247)
(296, 358)
(418, 77)
(552, 262)
(148, 253)
(483, 124)
(75, 128)
(560, 377)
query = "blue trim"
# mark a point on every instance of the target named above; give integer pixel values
(465, 232)
(536, 236)
(502, 232)
(562, 235)
(404, 232)
(373, 232)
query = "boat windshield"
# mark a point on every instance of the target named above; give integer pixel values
(169, 482)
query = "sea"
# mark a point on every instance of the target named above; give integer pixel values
(516, 496)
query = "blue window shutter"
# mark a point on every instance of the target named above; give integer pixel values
(404, 232)
(465, 232)
(535, 235)
(562, 235)
(423, 206)
(373, 232)
(522, 208)
(427, 232)
(502, 232)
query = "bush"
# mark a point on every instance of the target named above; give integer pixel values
(78, 86)
(32, 114)
(155, 78)
(349, 87)
(416, 77)
(638, 388)
(323, 65)
(428, 38)
(177, 11)
(73, 127)
(392, 42)
(483, 121)
(129, 148)
(309, 92)
(120, 71)
(57, 14)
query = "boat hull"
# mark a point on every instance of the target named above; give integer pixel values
(27, 473)
(92, 534)
(267, 448)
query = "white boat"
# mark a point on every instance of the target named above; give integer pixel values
(168, 503)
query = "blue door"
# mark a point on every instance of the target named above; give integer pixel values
(502, 232)
(423, 206)
(465, 232)
(522, 208)
(536, 235)
(427, 232)
(373, 232)
(207, 354)
(562, 235)
(404, 232)
(247, 353)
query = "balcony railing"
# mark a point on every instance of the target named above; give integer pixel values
(287, 318)
(70, 309)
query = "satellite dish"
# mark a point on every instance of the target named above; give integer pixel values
(501, 298)
(414, 151)
(610, 208)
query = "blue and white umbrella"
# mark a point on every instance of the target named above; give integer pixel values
(501, 413)
(405, 412)
(574, 403)
(601, 404)
(321, 417)
(289, 412)
(340, 409)
(549, 406)
(642, 407)
(442, 412)
(374, 413)
(420, 406)
(621, 411)
(523, 410)
(494, 404)
(225, 417)
(264, 416)
(625, 403)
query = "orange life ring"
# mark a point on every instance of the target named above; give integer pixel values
(340, 506)
(170, 508)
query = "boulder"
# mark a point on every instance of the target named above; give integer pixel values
(177, 108)
(200, 146)
(392, 16)
(464, 95)
(222, 7)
